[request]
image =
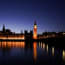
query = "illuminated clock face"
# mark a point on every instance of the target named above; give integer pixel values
(35, 26)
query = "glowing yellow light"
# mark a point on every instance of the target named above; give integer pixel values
(47, 47)
(39, 44)
(63, 55)
(52, 51)
(35, 26)
(43, 45)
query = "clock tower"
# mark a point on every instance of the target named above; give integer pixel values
(35, 31)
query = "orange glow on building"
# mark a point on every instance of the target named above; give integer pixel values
(11, 37)
(35, 31)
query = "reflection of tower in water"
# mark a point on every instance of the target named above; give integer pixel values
(35, 50)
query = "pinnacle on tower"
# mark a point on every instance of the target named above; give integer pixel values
(3, 28)
(35, 22)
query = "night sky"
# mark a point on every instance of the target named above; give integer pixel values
(20, 15)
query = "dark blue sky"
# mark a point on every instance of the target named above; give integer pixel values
(19, 15)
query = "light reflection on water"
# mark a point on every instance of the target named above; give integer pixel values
(63, 55)
(52, 51)
(9, 44)
(47, 48)
(37, 51)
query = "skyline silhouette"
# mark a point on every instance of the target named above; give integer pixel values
(19, 15)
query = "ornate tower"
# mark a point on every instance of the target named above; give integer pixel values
(35, 31)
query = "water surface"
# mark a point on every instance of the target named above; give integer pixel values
(30, 53)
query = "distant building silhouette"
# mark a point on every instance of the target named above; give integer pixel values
(28, 35)
(3, 28)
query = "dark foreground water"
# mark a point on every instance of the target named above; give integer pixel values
(36, 53)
